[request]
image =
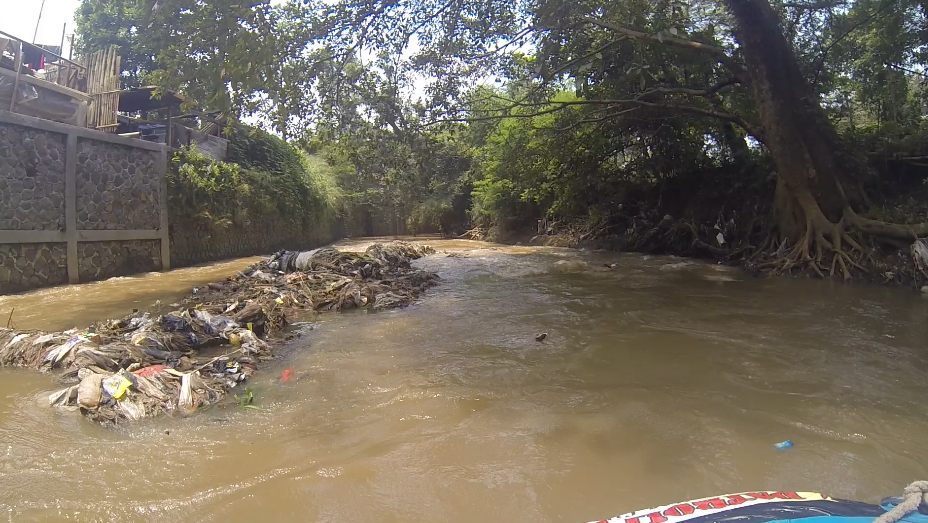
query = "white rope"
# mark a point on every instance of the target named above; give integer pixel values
(913, 496)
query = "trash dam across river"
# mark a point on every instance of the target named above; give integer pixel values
(660, 379)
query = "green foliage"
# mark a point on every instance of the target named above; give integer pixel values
(430, 216)
(210, 189)
(322, 180)
(584, 114)
(246, 399)
(493, 199)
(277, 168)
(416, 177)
(874, 73)
(219, 54)
(258, 149)
(207, 175)
(535, 162)
(272, 179)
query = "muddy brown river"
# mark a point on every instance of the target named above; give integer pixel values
(661, 379)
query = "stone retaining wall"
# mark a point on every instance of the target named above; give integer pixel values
(31, 265)
(31, 179)
(109, 176)
(101, 260)
(195, 240)
(77, 205)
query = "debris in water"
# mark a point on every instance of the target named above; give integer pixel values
(783, 445)
(567, 266)
(920, 255)
(285, 375)
(143, 366)
(90, 391)
(541, 337)
(116, 386)
(153, 370)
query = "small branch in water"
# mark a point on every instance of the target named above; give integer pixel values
(9, 321)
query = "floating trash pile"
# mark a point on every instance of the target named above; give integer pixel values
(143, 366)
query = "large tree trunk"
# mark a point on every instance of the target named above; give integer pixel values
(818, 178)
(820, 185)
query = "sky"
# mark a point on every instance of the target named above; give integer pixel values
(20, 17)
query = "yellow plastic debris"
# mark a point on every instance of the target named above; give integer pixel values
(116, 386)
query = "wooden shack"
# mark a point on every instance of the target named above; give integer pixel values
(87, 92)
(30, 91)
(155, 114)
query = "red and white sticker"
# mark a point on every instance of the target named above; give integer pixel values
(703, 507)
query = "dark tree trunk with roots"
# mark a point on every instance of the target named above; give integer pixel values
(820, 184)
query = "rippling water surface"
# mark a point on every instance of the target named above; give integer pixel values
(661, 379)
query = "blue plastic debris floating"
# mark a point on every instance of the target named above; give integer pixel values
(784, 445)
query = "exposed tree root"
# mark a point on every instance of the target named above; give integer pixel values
(831, 248)
(851, 248)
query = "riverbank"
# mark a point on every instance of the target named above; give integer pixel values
(896, 265)
(144, 365)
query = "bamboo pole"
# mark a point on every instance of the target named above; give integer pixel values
(61, 50)
(70, 55)
(104, 65)
(96, 88)
(103, 82)
(91, 121)
(36, 33)
(117, 83)
(104, 86)
(93, 84)
(108, 86)
(18, 65)
(98, 83)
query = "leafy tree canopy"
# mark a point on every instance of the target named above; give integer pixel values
(562, 107)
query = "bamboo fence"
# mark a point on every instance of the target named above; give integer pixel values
(103, 85)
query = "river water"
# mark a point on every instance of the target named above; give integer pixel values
(661, 379)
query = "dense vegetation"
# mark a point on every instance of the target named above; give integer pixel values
(783, 134)
(264, 176)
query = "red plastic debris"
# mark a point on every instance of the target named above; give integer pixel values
(152, 370)
(285, 375)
